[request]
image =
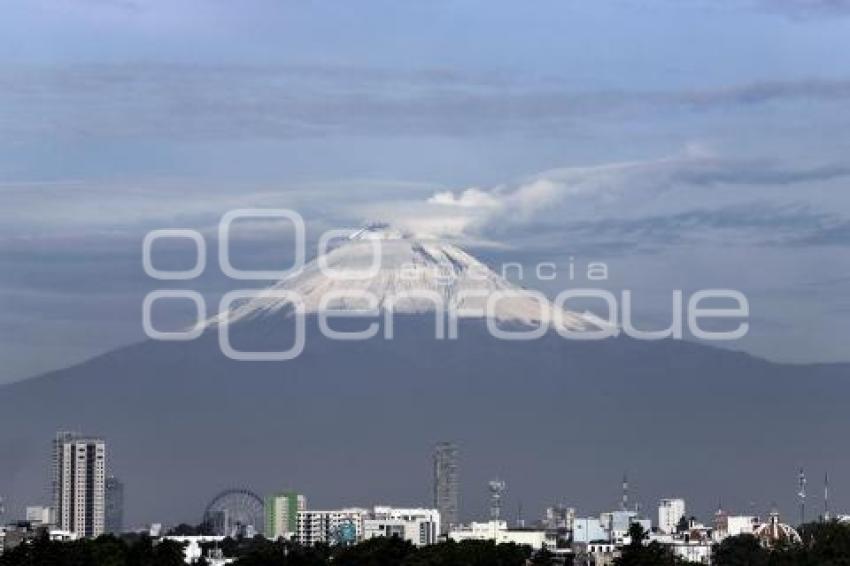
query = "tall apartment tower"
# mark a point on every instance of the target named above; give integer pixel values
(114, 514)
(79, 478)
(446, 484)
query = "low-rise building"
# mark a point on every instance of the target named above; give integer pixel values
(617, 524)
(40, 515)
(419, 526)
(726, 525)
(598, 553)
(588, 529)
(336, 526)
(22, 532)
(58, 535)
(698, 552)
(498, 532)
(193, 549)
(776, 533)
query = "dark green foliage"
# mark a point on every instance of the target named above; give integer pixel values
(639, 554)
(103, 551)
(136, 550)
(390, 551)
(469, 553)
(262, 552)
(742, 550)
(544, 558)
(824, 544)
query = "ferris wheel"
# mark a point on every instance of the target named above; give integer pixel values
(234, 513)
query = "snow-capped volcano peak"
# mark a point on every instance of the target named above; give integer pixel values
(403, 273)
(379, 231)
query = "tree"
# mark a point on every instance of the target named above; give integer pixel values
(543, 558)
(379, 551)
(168, 553)
(470, 553)
(636, 553)
(185, 530)
(743, 550)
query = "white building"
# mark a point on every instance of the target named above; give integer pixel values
(339, 526)
(57, 535)
(698, 552)
(79, 475)
(599, 553)
(694, 546)
(617, 524)
(559, 517)
(733, 525)
(39, 515)
(419, 526)
(776, 533)
(670, 512)
(498, 532)
(193, 551)
(589, 529)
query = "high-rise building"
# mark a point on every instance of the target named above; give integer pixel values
(446, 484)
(282, 514)
(497, 491)
(79, 478)
(670, 512)
(114, 520)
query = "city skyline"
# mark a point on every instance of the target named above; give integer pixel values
(104, 499)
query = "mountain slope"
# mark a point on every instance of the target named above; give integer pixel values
(354, 422)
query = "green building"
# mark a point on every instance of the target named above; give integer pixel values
(282, 514)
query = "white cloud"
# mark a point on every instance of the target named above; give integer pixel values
(695, 184)
(470, 198)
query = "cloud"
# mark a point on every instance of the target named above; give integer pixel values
(767, 91)
(685, 198)
(807, 8)
(688, 197)
(755, 222)
(835, 234)
(233, 102)
(470, 198)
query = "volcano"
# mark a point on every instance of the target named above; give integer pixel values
(352, 422)
(406, 275)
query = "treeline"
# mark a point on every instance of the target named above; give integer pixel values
(824, 544)
(143, 551)
(104, 551)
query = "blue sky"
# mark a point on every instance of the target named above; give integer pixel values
(689, 144)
